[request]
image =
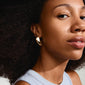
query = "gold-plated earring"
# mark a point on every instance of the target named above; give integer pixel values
(38, 41)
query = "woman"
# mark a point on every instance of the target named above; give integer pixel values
(59, 29)
(60, 33)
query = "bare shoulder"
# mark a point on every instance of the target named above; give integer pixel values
(74, 77)
(22, 83)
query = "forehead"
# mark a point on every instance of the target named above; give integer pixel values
(50, 5)
(74, 3)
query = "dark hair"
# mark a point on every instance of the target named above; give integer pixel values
(19, 50)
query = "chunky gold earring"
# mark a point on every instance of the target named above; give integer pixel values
(38, 41)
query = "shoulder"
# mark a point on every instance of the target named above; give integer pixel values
(22, 83)
(74, 77)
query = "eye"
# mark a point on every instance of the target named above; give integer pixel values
(62, 16)
(82, 17)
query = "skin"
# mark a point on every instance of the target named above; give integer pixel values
(55, 30)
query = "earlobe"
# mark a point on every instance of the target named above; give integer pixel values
(35, 28)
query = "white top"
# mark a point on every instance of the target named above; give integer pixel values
(4, 81)
(33, 78)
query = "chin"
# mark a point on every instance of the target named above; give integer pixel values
(76, 56)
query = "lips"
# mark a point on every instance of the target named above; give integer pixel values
(77, 42)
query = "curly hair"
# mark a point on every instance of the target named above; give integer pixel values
(19, 50)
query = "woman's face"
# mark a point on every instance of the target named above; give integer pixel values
(62, 26)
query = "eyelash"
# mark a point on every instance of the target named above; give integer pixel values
(82, 17)
(62, 16)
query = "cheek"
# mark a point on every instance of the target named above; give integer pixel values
(54, 41)
(54, 33)
(54, 36)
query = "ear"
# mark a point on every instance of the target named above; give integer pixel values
(36, 30)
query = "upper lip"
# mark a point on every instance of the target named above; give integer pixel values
(76, 39)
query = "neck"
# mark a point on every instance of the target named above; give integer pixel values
(51, 68)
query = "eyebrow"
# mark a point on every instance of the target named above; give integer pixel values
(66, 5)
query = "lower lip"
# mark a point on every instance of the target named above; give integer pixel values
(77, 44)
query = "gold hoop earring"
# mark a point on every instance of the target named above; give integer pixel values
(38, 41)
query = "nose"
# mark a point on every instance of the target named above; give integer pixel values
(78, 25)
